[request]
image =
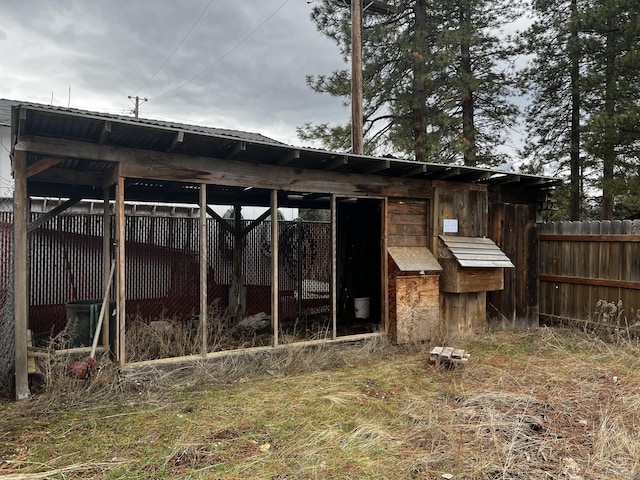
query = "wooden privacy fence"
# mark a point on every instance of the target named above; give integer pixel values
(589, 271)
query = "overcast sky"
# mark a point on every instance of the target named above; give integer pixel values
(242, 66)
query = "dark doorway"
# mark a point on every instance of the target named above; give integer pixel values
(359, 246)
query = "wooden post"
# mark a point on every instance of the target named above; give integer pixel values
(384, 294)
(274, 266)
(120, 279)
(238, 310)
(21, 272)
(203, 267)
(106, 260)
(357, 142)
(334, 277)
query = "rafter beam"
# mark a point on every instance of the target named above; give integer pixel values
(448, 173)
(239, 146)
(73, 177)
(376, 166)
(105, 132)
(413, 171)
(177, 139)
(43, 164)
(290, 157)
(337, 162)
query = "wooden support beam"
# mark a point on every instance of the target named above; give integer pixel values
(104, 132)
(178, 138)
(274, 266)
(595, 282)
(21, 273)
(290, 157)
(138, 163)
(52, 214)
(109, 177)
(41, 165)
(224, 223)
(121, 292)
(384, 294)
(552, 237)
(255, 223)
(334, 277)
(203, 268)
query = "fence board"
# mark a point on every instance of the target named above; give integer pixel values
(584, 262)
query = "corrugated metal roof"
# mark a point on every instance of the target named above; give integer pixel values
(5, 111)
(414, 259)
(5, 119)
(44, 123)
(476, 252)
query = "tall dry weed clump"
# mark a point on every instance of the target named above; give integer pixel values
(610, 319)
(172, 337)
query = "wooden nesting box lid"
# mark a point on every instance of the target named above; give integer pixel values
(414, 259)
(477, 252)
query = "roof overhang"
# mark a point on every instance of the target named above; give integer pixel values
(69, 146)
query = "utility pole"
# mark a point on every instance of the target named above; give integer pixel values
(357, 141)
(136, 108)
(357, 134)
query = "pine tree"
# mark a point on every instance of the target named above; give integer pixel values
(437, 79)
(552, 79)
(612, 95)
(584, 87)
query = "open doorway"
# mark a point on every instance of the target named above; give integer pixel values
(358, 265)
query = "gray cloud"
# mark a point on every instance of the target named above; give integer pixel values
(106, 51)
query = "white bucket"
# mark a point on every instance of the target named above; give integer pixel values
(362, 307)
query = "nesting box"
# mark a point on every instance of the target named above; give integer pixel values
(471, 264)
(414, 294)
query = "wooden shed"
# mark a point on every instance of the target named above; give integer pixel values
(387, 216)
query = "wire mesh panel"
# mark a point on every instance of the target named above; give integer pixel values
(7, 318)
(162, 273)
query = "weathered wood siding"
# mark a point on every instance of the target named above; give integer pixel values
(468, 204)
(582, 263)
(408, 223)
(513, 228)
(462, 314)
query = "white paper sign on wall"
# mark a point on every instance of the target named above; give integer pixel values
(450, 225)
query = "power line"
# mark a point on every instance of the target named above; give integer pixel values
(229, 52)
(177, 47)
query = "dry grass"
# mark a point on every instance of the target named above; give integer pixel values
(546, 404)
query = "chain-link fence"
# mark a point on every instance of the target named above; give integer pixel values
(7, 319)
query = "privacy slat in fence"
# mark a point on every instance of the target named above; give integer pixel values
(582, 263)
(162, 262)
